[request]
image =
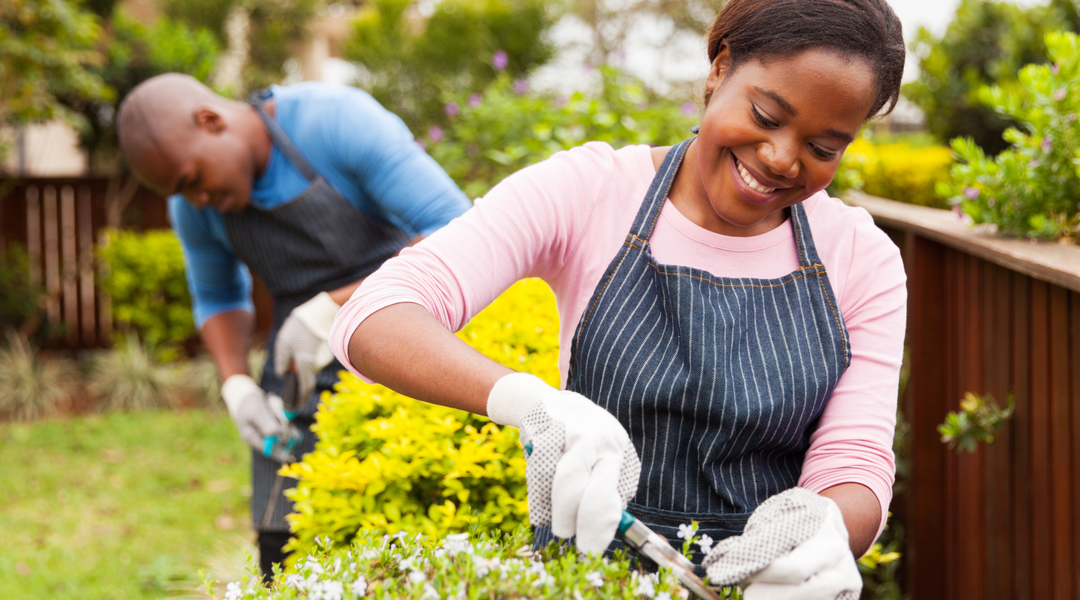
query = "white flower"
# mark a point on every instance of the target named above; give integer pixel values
(327, 590)
(595, 578)
(417, 576)
(399, 535)
(406, 563)
(457, 542)
(644, 587)
(359, 587)
(687, 531)
(663, 596)
(295, 581)
(430, 593)
(233, 591)
(706, 543)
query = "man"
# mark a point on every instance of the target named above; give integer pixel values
(311, 187)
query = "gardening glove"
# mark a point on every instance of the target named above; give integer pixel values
(794, 547)
(581, 467)
(264, 427)
(302, 342)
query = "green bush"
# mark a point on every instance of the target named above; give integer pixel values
(978, 420)
(408, 67)
(129, 377)
(1033, 188)
(493, 134)
(899, 171)
(18, 295)
(388, 463)
(144, 277)
(466, 566)
(31, 386)
(986, 43)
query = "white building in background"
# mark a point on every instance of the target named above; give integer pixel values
(43, 150)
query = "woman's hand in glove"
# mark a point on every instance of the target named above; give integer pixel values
(794, 547)
(302, 342)
(581, 467)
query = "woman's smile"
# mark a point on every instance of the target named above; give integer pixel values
(756, 187)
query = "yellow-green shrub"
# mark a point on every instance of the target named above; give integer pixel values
(898, 171)
(386, 462)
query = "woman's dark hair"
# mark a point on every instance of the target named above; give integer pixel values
(763, 29)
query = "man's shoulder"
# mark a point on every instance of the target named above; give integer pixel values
(322, 96)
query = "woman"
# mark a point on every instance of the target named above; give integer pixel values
(738, 330)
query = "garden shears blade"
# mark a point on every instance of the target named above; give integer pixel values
(635, 534)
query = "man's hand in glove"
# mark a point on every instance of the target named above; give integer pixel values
(581, 468)
(261, 426)
(302, 342)
(794, 547)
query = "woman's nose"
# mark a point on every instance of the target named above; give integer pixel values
(781, 157)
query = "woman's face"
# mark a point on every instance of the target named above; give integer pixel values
(772, 135)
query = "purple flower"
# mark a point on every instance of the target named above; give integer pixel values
(589, 67)
(970, 193)
(499, 60)
(422, 144)
(1034, 163)
(521, 86)
(1047, 144)
(958, 212)
(451, 109)
(1055, 68)
(688, 109)
(1060, 94)
(475, 100)
(435, 133)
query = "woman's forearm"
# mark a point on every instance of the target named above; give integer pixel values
(862, 514)
(409, 351)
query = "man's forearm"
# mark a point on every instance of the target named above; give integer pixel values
(227, 336)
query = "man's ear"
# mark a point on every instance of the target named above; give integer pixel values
(721, 66)
(209, 119)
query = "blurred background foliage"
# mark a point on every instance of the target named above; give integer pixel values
(985, 44)
(409, 63)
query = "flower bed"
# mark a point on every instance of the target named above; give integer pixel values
(458, 566)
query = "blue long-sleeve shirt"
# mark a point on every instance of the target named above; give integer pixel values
(366, 152)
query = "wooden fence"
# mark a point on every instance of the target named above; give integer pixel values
(58, 222)
(999, 317)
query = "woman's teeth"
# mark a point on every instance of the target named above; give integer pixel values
(750, 181)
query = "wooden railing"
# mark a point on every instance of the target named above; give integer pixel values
(1001, 317)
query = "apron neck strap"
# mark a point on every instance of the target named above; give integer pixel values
(280, 139)
(658, 192)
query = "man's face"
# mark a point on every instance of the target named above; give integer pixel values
(210, 166)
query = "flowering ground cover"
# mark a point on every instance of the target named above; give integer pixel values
(462, 566)
(124, 505)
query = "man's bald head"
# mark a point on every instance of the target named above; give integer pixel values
(160, 112)
(181, 137)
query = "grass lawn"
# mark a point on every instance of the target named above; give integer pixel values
(124, 506)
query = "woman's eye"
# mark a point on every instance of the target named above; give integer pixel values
(823, 153)
(761, 119)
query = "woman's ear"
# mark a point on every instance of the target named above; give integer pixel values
(721, 66)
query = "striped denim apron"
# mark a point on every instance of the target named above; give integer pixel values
(313, 243)
(719, 381)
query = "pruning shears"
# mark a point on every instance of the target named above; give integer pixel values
(648, 544)
(285, 406)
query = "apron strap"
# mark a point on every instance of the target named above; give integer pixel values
(804, 241)
(658, 191)
(281, 140)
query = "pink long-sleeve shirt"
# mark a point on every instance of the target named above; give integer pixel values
(564, 219)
